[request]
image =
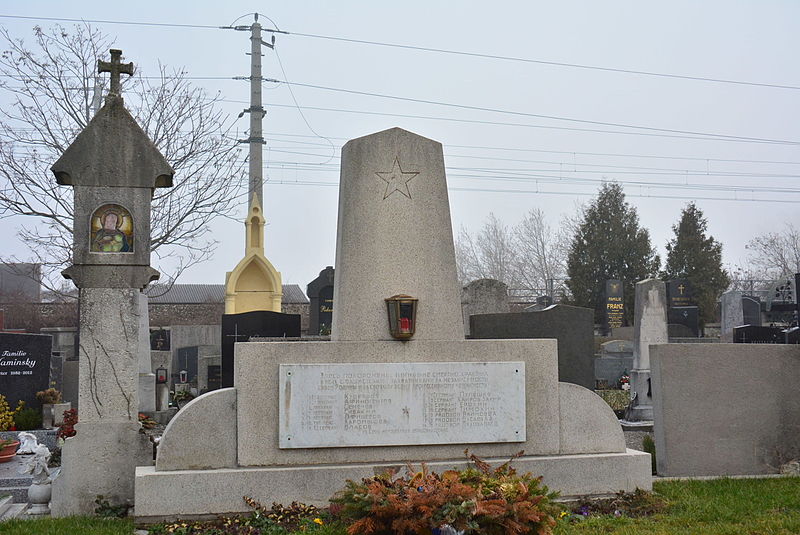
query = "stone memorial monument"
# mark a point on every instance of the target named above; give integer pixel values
(113, 168)
(649, 327)
(397, 383)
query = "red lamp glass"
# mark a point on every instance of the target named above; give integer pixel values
(402, 312)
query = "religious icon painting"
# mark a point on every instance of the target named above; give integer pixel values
(112, 230)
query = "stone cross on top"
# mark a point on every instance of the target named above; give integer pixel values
(115, 68)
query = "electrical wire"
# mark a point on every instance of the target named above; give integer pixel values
(422, 49)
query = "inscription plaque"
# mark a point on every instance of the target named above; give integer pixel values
(401, 403)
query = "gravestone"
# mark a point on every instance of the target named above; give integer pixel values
(679, 293)
(573, 327)
(306, 416)
(649, 327)
(751, 310)
(159, 340)
(756, 334)
(320, 293)
(616, 358)
(483, 296)
(731, 305)
(113, 168)
(260, 323)
(24, 367)
(614, 317)
(687, 316)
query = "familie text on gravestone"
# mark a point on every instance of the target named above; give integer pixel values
(24, 367)
(615, 305)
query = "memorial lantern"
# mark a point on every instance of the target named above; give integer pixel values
(161, 376)
(402, 312)
(183, 375)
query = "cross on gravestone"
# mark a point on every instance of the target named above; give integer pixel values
(115, 67)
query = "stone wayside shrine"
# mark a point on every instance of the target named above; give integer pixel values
(113, 168)
(397, 382)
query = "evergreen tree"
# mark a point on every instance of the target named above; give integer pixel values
(698, 259)
(609, 244)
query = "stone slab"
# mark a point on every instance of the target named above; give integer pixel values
(573, 327)
(181, 446)
(725, 409)
(220, 491)
(401, 403)
(257, 380)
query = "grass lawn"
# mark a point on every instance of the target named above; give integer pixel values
(721, 507)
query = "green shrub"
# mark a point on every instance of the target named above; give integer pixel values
(28, 419)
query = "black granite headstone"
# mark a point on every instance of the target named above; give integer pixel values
(754, 334)
(688, 316)
(792, 336)
(573, 327)
(615, 305)
(159, 340)
(679, 293)
(24, 367)
(261, 323)
(214, 377)
(320, 294)
(751, 310)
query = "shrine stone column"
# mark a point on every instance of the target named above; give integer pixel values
(113, 168)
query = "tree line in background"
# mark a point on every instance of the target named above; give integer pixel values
(603, 240)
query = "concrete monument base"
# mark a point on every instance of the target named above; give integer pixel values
(220, 491)
(225, 444)
(99, 459)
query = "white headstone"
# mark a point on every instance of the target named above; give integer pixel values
(394, 236)
(649, 327)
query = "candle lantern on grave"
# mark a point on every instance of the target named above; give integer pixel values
(402, 312)
(183, 376)
(161, 376)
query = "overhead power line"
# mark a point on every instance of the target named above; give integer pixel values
(526, 125)
(428, 49)
(540, 115)
(541, 62)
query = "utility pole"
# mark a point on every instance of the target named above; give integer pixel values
(256, 111)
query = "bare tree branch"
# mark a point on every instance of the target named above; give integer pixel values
(52, 86)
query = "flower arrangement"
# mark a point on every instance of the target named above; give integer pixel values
(476, 500)
(49, 396)
(624, 381)
(146, 421)
(182, 395)
(7, 415)
(67, 429)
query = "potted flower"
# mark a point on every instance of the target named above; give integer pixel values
(52, 407)
(182, 397)
(8, 449)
